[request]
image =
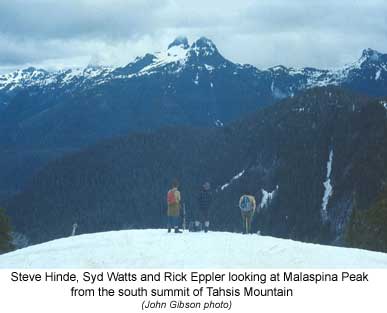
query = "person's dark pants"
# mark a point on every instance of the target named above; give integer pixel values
(203, 220)
(204, 214)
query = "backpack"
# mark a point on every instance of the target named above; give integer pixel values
(171, 197)
(246, 204)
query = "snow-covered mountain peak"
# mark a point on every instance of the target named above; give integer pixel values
(204, 42)
(21, 78)
(32, 69)
(370, 55)
(278, 68)
(204, 51)
(179, 41)
(177, 50)
(204, 46)
(371, 59)
(179, 55)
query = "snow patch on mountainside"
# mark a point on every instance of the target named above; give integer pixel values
(158, 249)
(209, 68)
(377, 75)
(175, 54)
(267, 197)
(219, 123)
(196, 80)
(237, 176)
(328, 189)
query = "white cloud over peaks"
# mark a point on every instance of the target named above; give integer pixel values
(264, 33)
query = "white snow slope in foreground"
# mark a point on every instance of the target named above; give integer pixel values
(158, 249)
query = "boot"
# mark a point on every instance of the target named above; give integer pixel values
(169, 229)
(177, 231)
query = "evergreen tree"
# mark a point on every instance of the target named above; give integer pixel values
(368, 229)
(5, 233)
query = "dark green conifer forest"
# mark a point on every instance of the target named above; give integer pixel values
(5, 233)
(122, 183)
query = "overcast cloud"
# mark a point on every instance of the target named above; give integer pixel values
(56, 34)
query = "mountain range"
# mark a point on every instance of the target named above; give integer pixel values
(44, 115)
(80, 146)
(203, 62)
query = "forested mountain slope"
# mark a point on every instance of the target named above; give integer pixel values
(308, 160)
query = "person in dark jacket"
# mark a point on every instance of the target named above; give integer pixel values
(204, 199)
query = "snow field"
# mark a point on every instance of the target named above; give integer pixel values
(155, 248)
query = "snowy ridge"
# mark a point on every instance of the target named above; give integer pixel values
(202, 55)
(31, 77)
(370, 59)
(173, 60)
(158, 249)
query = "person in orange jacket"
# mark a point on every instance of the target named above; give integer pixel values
(173, 212)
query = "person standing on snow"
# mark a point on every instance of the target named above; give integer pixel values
(204, 199)
(173, 212)
(247, 206)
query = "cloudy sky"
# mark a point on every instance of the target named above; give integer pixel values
(55, 34)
